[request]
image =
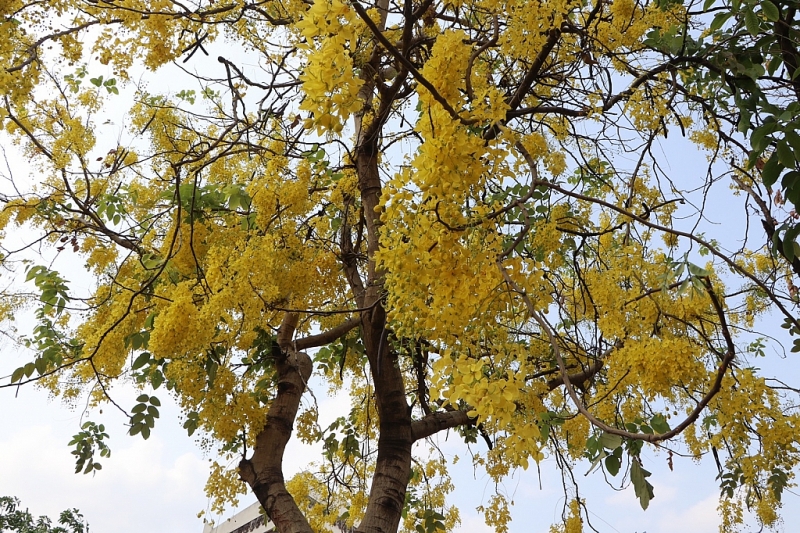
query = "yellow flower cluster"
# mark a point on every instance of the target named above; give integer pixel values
(330, 78)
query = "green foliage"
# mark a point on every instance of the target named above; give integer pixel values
(757, 347)
(784, 240)
(201, 202)
(137, 340)
(547, 421)
(778, 481)
(730, 481)
(144, 414)
(754, 74)
(642, 487)
(53, 288)
(609, 448)
(597, 175)
(331, 359)
(675, 272)
(793, 331)
(261, 361)
(148, 369)
(427, 520)
(191, 422)
(13, 519)
(187, 95)
(74, 80)
(90, 439)
(109, 84)
(342, 439)
(52, 350)
(111, 207)
(430, 521)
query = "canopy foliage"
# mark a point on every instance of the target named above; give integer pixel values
(473, 215)
(15, 520)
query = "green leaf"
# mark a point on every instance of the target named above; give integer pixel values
(140, 361)
(17, 374)
(613, 464)
(771, 171)
(659, 423)
(770, 10)
(97, 82)
(642, 487)
(157, 379)
(720, 19)
(697, 271)
(610, 442)
(759, 140)
(744, 121)
(785, 154)
(136, 341)
(151, 261)
(789, 242)
(788, 249)
(143, 398)
(190, 426)
(793, 139)
(751, 22)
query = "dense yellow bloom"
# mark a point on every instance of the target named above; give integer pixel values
(470, 221)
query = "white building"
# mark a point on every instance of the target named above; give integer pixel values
(249, 520)
(253, 520)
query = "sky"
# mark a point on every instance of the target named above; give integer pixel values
(157, 485)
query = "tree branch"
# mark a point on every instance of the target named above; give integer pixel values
(577, 378)
(264, 470)
(327, 337)
(716, 386)
(436, 422)
(378, 34)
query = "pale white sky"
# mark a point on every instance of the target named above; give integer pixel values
(157, 485)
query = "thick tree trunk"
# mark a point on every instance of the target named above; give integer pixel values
(393, 464)
(264, 470)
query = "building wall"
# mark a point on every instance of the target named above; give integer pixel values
(249, 520)
(253, 520)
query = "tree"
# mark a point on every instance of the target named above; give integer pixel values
(14, 520)
(747, 70)
(459, 211)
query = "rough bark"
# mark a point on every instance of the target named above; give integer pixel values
(326, 337)
(393, 463)
(264, 470)
(439, 421)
